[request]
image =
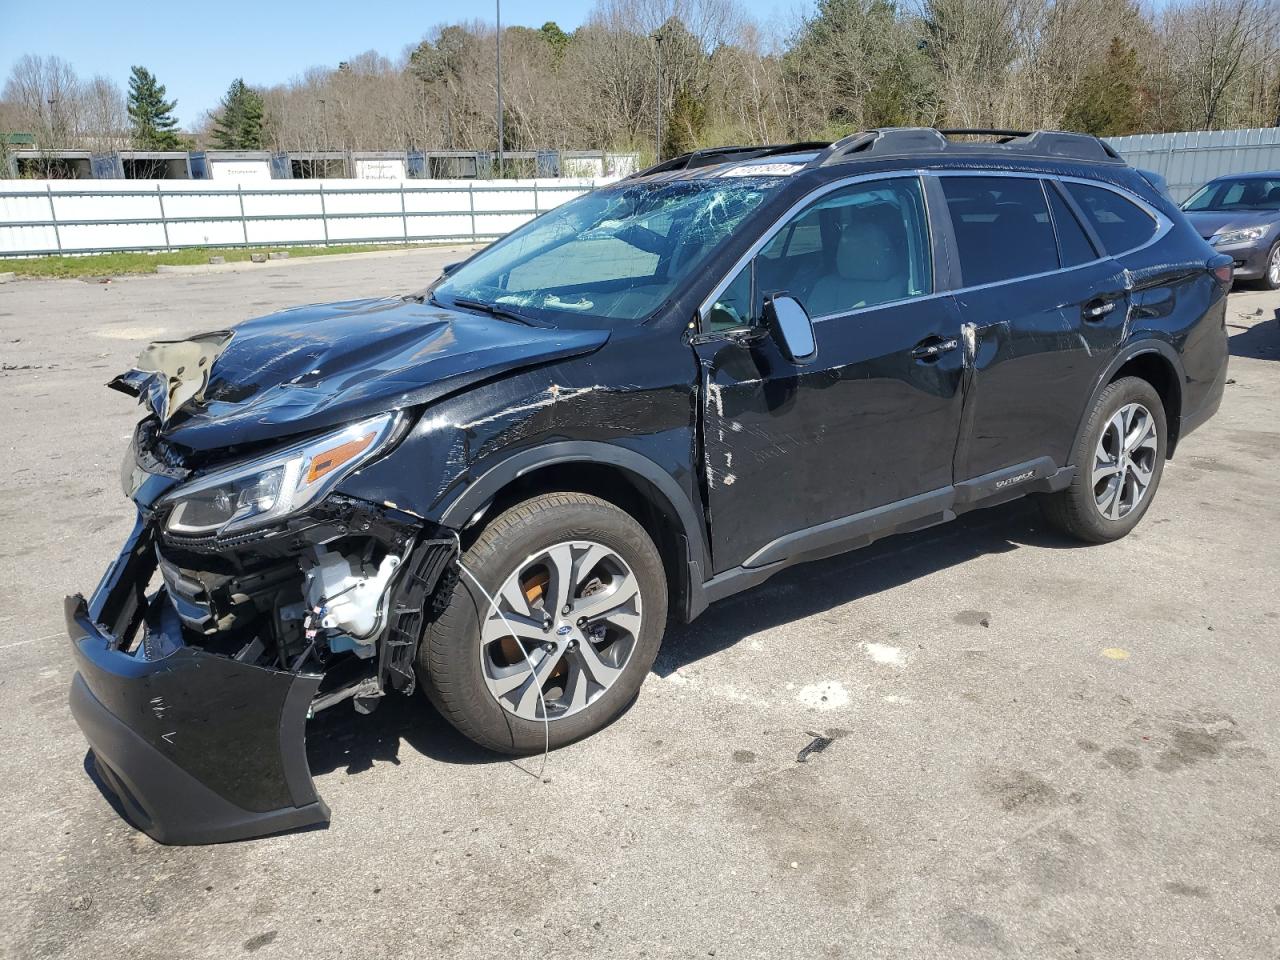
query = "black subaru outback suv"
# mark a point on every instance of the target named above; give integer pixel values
(650, 398)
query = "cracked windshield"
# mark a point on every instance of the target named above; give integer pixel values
(615, 254)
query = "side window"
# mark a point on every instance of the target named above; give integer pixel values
(1002, 228)
(1120, 225)
(858, 246)
(1073, 243)
(733, 307)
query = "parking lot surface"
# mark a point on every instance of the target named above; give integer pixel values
(1037, 749)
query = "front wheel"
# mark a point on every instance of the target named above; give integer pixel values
(1271, 272)
(1119, 459)
(560, 638)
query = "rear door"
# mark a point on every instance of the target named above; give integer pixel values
(1047, 309)
(873, 419)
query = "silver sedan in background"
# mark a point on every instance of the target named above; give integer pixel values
(1239, 215)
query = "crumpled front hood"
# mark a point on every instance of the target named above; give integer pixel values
(1209, 222)
(312, 367)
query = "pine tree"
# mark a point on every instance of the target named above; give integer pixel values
(239, 124)
(1106, 101)
(154, 125)
(556, 38)
(683, 129)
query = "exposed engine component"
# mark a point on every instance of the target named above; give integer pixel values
(346, 596)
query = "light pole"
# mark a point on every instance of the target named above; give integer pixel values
(657, 102)
(498, 13)
(324, 126)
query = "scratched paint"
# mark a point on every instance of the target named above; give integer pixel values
(554, 394)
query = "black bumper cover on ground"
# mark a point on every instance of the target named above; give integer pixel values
(199, 748)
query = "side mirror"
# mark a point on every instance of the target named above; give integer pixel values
(791, 327)
(448, 268)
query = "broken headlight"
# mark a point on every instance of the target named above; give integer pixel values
(265, 489)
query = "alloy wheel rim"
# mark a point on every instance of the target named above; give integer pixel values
(1124, 461)
(1274, 269)
(574, 610)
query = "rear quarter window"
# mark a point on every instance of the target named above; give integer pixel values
(1073, 243)
(1120, 224)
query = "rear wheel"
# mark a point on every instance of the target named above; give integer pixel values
(1119, 460)
(558, 642)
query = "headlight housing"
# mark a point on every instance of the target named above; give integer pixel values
(265, 489)
(1243, 235)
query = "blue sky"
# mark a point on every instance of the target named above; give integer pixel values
(197, 55)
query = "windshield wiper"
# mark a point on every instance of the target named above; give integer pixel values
(492, 309)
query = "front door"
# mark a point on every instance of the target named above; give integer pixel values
(873, 419)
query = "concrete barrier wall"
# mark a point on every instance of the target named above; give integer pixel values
(40, 218)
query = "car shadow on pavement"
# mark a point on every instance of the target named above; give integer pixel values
(339, 739)
(108, 792)
(1258, 342)
(812, 588)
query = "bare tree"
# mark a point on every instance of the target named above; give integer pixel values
(46, 94)
(43, 97)
(1215, 40)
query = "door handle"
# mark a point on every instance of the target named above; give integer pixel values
(1097, 309)
(930, 350)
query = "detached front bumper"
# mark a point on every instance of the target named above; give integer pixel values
(198, 747)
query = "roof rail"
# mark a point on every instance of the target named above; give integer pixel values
(697, 158)
(712, 155)
(901, 141)
(1001, 135)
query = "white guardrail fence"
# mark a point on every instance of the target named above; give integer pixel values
(63, 217)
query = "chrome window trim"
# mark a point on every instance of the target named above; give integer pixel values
(1163, 226)
(1163, 223)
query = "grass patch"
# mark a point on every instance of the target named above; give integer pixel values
(119, 264)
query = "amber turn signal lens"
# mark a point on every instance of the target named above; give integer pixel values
(335, 457)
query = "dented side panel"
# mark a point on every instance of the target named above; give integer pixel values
(637, 393)
(791, 447)
(1179, 303)
(1035, 361)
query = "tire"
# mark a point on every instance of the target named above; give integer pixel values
(1270, 279)
(1085, 510)
(457, 667)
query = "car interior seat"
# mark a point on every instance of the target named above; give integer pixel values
(871, 263)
